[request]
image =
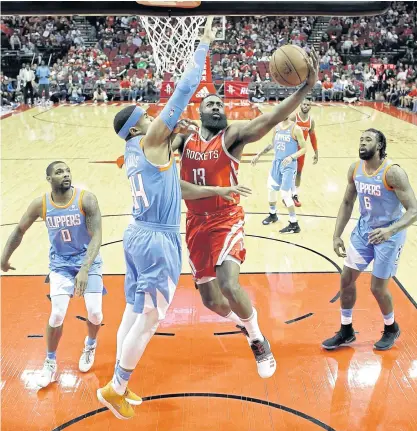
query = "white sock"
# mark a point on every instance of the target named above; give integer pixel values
(129, 318)
(138, 338)
(252, 327)
(293, 218)
(346, 316)
(389, 318)
(234, 318)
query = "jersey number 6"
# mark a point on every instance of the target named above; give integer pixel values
(367, 201)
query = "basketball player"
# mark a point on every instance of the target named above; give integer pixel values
(72, 217)
(290, 145)
(152, 242)
(308, 126)
(384, 192)
(214, 229)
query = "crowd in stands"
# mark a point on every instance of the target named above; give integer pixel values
(121, 65)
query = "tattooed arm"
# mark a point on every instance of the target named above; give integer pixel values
(93, 221)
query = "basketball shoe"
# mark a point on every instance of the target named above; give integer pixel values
(291, 228)
(48, 374)
(389, 335)
(87, 357)
(116, 403)
(265, 360)
(272, 218)
(343, 337)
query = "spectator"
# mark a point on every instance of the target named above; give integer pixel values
(350, 93)
(27, 78)
(100, 95)
(43, 73)
(258, 95)
(338, 90)
(76, 94)
(15, 42)
(125, 88)
(326, 89)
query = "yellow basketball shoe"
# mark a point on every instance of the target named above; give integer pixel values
(116, 403)
(132, 398)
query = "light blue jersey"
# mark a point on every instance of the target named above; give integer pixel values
(155, 189)
(69, 238)
(285, 144)
(152, 242)
(379, 207)
(66, 225)
(378, 204)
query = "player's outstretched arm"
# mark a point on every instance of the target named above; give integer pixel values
(397, 179)
(93, 222)
(191, 191)
(268, 148)
(34, 211)
(260, 126)
(344, 214)
(162, 127)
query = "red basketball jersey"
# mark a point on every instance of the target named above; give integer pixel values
(208, 163)
(305, 126)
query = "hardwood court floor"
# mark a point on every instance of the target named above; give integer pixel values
(195, 380)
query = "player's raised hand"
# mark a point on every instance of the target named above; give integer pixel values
(185, 127)
(209, 31)
(313, 62)
(377, 236)
(227, 192)
(5, 266)
(339, 247)
(81, 281)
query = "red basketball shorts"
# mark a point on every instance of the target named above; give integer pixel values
(212, 239)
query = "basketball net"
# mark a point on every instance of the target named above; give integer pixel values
(172, 40)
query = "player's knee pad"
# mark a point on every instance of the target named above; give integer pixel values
(56, 318)
(95, 317)
(287, 198)
(272, 195)
(59, 310)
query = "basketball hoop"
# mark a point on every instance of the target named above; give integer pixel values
(172, 40)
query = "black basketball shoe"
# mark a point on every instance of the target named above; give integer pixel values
(291, 228)
(272, 218)
(344, 337)
(389, 335)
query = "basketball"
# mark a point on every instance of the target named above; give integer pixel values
(288, 65)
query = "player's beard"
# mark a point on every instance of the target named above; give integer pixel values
(367, 154)
(65, 187)
(214, 124)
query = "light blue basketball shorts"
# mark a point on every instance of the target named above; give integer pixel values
(64, 269)
(280, 177)
(385, 255)
(153, 255)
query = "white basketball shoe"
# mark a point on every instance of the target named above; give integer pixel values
(48, 374)
(87, 357)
